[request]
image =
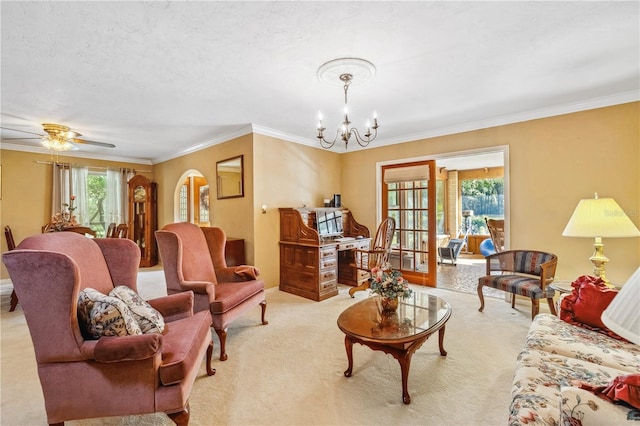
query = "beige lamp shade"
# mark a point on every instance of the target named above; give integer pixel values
(600, 217)
(622, 316)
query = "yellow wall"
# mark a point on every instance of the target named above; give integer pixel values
(286, 175)
(26, 191)
(234, 215)
(554, 162)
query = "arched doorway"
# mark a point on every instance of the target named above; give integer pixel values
(191, 199)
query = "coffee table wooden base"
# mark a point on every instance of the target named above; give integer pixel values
(401, 352)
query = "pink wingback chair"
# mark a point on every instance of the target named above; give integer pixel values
(110, 376)
(193, 259)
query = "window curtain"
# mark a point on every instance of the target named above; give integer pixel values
(70, 181)
(117, 199)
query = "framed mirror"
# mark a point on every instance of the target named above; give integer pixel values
(230, 177)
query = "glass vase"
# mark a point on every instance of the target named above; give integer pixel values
(388, 304)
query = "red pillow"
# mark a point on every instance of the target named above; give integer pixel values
(593, 299)
(622, 388)
(584, 306)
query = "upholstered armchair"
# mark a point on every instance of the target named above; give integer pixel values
(193, 260)
(523, 272)
(109, 376)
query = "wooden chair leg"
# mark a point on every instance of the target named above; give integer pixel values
(210, 371)
(535, 308)
(181, 418)
(222, 335)
(263, 304)
(14, 301)
(361, 287)
(481, 296)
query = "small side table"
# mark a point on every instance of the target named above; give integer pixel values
(561, 286)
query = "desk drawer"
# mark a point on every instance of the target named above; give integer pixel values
(327, 252)
(328, 275)
(328, 263)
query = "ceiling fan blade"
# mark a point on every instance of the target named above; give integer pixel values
(102, 144)
(20, 139)
(21, 131)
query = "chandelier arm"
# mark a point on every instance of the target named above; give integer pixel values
(363, 142)
(325, 143)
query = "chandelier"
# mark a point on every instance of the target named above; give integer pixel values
(347, 69)
(58, 137)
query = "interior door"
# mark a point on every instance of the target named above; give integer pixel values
(409, 197)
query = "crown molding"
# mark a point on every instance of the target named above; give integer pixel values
(242, 130)
(77, 154)
(585, 105)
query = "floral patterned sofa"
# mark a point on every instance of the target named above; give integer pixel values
(557, 357)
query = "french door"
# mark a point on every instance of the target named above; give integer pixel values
(409, 197)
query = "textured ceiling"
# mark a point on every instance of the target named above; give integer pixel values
(159, 79)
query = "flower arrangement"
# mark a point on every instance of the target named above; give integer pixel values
(65, 218)
(389, 283)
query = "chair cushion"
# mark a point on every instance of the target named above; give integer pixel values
(102, 315)
(149, 319)
(517, 284)
(229, 295)
(181, 345)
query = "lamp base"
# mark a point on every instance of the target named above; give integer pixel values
(599, 260)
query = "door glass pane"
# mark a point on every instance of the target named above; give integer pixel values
(440, 216)
(395, 214)
(392, 199)
(408, 203)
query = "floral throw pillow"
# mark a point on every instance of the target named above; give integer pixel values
(148, 318)
(102, 315)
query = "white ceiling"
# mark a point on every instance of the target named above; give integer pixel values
(159, 79)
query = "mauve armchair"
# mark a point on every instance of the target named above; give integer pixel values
(193, 260)
(109, 376)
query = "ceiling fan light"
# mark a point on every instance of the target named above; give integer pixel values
(56, 144)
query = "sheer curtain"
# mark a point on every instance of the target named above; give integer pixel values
(70, 181)
(117, 199)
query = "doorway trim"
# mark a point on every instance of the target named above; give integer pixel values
(504, 149)
(176, 194)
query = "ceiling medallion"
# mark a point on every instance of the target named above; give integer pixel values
(347, 72)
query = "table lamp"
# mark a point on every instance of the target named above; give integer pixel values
(599, 218)
(622, 316)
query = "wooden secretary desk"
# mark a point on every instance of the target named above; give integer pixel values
(315, 257)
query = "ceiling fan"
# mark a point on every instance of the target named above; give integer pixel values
(58, 138)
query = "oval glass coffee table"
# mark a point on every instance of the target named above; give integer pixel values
(399, 334)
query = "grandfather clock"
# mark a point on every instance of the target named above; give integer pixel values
(142, 218)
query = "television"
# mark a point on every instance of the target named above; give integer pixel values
(329, 223)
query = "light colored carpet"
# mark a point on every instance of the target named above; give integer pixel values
(290, 372)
